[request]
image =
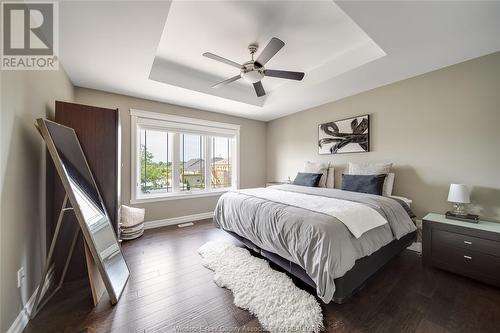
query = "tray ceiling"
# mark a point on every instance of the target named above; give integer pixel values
(152, 49)
(320, 40)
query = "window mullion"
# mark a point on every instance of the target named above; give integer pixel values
(145, 162)
(176, 179)
(208, 162)
(234, 162)
(168, 148)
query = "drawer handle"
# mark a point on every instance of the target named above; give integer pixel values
(468, 257)
(467, 242)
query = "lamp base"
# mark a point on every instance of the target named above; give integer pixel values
(459, 209)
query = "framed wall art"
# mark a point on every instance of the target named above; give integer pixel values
(351, 135)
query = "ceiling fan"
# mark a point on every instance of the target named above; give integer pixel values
(253, 71)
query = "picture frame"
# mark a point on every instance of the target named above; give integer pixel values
(348, 135)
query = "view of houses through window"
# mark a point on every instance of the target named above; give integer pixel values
(191, 167)
(221, 162)
(157, 161)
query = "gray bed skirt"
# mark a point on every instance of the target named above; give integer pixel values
(354, 279)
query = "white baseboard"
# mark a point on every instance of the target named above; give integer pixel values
(178, 220)
(23, 317)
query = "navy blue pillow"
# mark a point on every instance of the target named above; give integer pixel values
(307, 179)
(371, 184)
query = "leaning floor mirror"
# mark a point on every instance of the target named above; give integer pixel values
(86, 203)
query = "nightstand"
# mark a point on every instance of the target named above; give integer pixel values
(469, 249)
(274, 183)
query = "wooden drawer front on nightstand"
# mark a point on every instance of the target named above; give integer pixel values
(474, 264)
(446, 238)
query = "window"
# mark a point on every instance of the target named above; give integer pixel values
(178, 157)
(155, 161)
(221, 162)
(192, 166)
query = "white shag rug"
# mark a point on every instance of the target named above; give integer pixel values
(269, 295)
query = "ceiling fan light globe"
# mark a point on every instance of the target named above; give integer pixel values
(252, 76)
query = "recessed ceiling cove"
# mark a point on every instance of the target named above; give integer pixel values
(112, 45)
(320, 40)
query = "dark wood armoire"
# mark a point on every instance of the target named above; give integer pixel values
(98, 130)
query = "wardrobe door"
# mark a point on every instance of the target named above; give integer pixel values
(98, 131)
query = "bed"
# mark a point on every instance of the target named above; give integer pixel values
(333, 240)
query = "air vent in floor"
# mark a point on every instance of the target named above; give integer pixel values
(183, 225)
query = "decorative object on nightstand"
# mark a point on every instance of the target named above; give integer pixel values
(459, 195)
(464, 248)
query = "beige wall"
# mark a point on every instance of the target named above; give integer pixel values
(25, 96)
(438, 128)
(252, 149)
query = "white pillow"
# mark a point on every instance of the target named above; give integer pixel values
(317, 168)
(330, 178)
(375, 169)
(369, 168)
(388, 184)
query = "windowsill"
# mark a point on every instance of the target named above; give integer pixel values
(181, 195)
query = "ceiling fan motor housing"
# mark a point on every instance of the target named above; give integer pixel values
(251, 72)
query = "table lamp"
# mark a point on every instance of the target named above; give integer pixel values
(459, 195)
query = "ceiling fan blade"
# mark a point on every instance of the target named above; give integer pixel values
(223, 83)
(284, 74)
(221, 59)
(270, 50)
(259, 89)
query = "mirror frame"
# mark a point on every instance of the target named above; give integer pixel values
(51, 147)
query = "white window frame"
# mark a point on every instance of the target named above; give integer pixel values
(179, 124)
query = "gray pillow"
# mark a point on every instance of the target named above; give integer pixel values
(371, 184)
(374, 169)
(307, 179)
(311, 167)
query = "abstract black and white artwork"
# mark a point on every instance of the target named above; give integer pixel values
(345, 136)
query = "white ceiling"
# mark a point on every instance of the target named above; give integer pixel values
(317, 36)
(112, 46)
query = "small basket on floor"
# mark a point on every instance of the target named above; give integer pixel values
(132, 222)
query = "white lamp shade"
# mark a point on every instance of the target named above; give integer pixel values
(459, 193)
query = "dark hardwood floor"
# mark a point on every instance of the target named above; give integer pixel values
(169, 290)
